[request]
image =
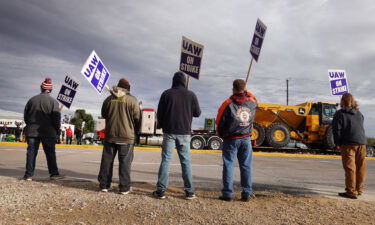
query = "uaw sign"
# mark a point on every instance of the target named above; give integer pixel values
(256, 43)
(338, 82)
(95, 72)
(191, 57)
(68, 91)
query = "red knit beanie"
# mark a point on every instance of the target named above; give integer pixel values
(47, 84)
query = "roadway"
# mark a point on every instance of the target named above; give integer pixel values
(287, 173)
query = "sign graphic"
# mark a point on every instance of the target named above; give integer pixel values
(95, 72)
(68, 91)
(191, 57)
(338, 82)
(256, 43)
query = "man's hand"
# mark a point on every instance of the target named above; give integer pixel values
(337, 147)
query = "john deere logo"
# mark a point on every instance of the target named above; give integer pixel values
(301, 111)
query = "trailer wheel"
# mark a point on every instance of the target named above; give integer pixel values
(258, 134)
(197, 142)
(329, 142)
(277, 135)
(370, 152)
(215, 143)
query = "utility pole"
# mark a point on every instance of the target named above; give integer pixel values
(287, 91)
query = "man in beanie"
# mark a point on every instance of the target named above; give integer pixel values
(122, 114)
(42, 117)
(176, 109)
(234, 123)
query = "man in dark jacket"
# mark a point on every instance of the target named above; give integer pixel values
(176, 109)
(42, 117)
(122, 114)
(234, 124)
(350, 138)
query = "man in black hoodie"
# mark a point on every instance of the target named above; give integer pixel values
(350, 138)
(234, 123)
(176, 109)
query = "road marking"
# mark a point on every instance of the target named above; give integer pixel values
(136, 148)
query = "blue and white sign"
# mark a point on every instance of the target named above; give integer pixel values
(95, 72)
(68, 91)
(191, 57)
(256, 43)
(338, 82)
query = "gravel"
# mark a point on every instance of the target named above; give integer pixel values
(79, 203)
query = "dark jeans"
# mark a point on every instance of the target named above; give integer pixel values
(32, 151)
(69, 140)
(79, 140)
(125, 158)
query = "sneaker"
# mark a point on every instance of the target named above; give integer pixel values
(27, 178)
(346, 195)
(104, 190)
(246, 197)
(124, 192)
(159, 195)
(190, 195)
(56, 177)
(224, 198)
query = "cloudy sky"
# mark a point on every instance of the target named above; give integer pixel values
(141, 40)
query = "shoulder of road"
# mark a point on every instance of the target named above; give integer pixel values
(147, 148)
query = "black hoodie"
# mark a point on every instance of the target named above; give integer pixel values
(347, 126)
(177, 107)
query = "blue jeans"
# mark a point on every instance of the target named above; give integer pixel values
(244, 152)
(32, 151)
(182, 143)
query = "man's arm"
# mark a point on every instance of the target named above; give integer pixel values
(56, 116)
(336, 128)
(195, 106)
(160, 112)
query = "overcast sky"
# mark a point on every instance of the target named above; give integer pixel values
(141, 40)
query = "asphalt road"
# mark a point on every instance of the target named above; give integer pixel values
(275, 172)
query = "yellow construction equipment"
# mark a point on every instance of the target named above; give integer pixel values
(309, 122)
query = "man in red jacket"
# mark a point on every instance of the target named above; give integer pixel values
(234, 124)
(69, 136)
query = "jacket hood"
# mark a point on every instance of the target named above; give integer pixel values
(239, 99)
(349, 110)
(119, 92)
(179, 80)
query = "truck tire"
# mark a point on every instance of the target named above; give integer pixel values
(370, 152)
(197, 142)
(215, 143)
(277, 135)
(328, 142)
(258, 134)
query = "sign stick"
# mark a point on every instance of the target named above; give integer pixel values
(106, 86)
(61, 107)
(187, 82)
(248, 72)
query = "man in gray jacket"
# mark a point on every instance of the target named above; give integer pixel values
(42, 117)
(122, 114)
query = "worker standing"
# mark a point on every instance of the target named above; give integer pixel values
(176, 109)
(234, 124)
(122, 114)
(350, 139)
(42, 117)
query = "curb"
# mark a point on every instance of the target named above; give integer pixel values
(158, 149)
